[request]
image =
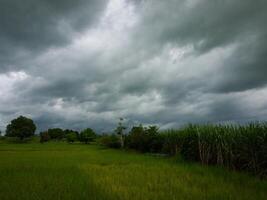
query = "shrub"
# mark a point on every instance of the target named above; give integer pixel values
(172, 141)
(44, 137)
(144, 139)
(111, 141)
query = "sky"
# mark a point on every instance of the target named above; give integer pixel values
(86, 63)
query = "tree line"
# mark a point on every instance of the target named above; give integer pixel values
(237, 147)
(23, 127)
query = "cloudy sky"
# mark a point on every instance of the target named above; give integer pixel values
(85, 63)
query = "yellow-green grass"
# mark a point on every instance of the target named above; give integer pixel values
(76, 171)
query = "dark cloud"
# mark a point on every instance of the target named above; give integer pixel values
(87, 63)
(34, 25)
(208, 25)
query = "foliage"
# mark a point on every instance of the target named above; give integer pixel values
(67, 131)
(172, 141)
(235, 147)
(21, 127)
(144, 139)
(56, 133)
(87, 135)
(44, 137)
(119, 131)
(111, 141)
(71, 137)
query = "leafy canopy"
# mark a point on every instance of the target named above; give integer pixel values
(21, 127)
(87, 135)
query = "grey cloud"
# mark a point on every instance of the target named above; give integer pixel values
(246, 68)
(35, 25)
(131, 74)
(209, 25)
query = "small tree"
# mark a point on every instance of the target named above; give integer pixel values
(22, 127)
(71, 137)
(87, 135)
(119, 131)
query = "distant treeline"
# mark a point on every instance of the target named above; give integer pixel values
(235, 147)
(86, 136)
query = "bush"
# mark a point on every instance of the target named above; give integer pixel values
(172, 141)
(44, 137)
(56, 133)
(144, 139)
(111, 141)
(235, 147)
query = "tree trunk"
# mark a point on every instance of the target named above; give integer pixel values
(122, 142)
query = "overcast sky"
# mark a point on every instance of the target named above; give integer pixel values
(85, 63)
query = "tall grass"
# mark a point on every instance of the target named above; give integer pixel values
(234, 146)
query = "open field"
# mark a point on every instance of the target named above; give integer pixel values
(75, 171)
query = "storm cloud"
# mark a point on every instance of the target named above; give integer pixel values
(77, 64)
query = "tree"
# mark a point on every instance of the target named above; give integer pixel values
(87, 135)
(68, 131)
(119, 131)
(71, 137)
(22, 127)
(56, 133)
(144, 139)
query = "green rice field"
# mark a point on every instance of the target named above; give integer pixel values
(57, 170)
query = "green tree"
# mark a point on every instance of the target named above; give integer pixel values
(56, 133)
(71, 137)
(87, 135)
(119, 131)
(21, 127)
(144, 139)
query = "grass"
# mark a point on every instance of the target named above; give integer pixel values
(238, 147)
(76, 171)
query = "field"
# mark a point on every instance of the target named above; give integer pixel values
(57, 170)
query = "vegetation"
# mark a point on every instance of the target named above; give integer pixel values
(56, 133)
(44, 137)
(87, 135)
(235, 147)
(71, 137)
(21, 127)
(111, 141)
(119, 131)
(94, 172)
(61, 171)
(144, 139)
